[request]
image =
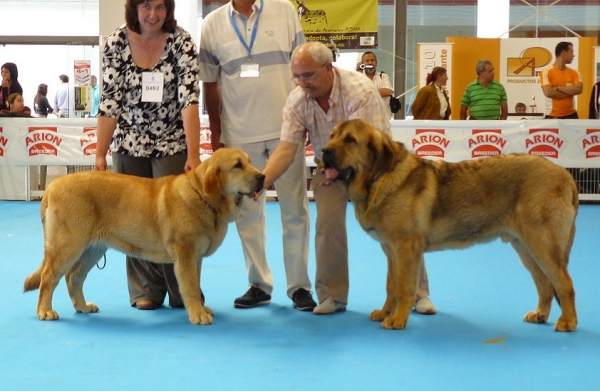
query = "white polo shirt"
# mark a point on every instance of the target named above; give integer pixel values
(251, 106)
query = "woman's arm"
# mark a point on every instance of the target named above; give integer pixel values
(106, 128)
(191, 126)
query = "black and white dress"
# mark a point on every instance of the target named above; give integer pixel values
(149, 129)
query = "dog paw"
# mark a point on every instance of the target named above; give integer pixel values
(536, 317)
(378, 315)
(87, 308)
(201, 319)
(208, 310)
(47, 315)
(563, 324)
(393, 324)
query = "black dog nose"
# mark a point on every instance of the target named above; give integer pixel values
(327, 154)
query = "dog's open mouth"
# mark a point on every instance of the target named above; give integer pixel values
(332, 174)
(258, 185)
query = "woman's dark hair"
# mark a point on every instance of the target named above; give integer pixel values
(15, 86)
(131, 16)
(42, 91)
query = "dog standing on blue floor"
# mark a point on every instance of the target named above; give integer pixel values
(176, 219)
(413, 205)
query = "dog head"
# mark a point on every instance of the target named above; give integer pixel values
(357, 154)
(228, 173)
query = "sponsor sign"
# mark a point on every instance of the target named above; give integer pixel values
(350, 24)
(42, 141)
(545, 142)
(431, 143)
(5, 142)
(521, 62)
(486, 142)
(590, 143)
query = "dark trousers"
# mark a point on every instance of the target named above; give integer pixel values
(149, 280)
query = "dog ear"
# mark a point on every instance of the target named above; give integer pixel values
(211, 183)
(382, 149)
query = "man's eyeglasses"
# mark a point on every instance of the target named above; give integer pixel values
(307, 76)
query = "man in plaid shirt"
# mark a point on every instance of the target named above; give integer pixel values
(325, 96)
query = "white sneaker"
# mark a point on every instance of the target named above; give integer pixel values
(424, 306)
(328, 307)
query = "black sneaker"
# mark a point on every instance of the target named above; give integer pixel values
(303, 300)
(255, 296)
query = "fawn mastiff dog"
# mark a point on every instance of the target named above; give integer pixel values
(413, 205)
(174, 219)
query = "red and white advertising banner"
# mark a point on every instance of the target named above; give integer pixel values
(32, 142)
(569, 143)
(69, 141)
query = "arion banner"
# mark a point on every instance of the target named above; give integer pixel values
(350, 24)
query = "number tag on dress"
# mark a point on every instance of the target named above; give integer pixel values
(249, 70)
(152, 86)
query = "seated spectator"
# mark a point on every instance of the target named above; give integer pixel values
(520, 108)
(15, 106)
(10, 83)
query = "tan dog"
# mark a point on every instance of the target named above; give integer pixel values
(174, 219)
(413, 205)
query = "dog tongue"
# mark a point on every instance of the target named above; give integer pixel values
(331, 173)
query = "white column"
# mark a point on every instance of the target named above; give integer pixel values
(112, 15)
(186, 13)
(493, 18)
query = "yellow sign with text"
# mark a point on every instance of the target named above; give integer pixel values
(347, 24)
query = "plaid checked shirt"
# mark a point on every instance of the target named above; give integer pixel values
(353, 96)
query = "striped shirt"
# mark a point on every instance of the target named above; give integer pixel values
(484, 102)
(353, 96)
(251, 106)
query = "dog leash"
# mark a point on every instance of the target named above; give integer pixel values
(103, 265)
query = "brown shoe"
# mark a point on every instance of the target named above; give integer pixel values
(146, 304)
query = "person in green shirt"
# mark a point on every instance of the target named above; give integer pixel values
(484, 98)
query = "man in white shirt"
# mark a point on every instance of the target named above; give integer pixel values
(245, 53)
(61, 99)
(381, 79)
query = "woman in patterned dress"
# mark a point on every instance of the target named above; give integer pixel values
(149, 119)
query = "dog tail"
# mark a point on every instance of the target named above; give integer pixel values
(33, 281)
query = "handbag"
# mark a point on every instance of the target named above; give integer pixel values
(395, 104)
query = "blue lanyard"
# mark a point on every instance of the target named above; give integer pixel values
(254, 30)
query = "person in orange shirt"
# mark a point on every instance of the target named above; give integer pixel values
(561, 83)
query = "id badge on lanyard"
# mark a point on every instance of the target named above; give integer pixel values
(249, 69)
(152, 86)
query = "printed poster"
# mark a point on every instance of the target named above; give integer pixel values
(349, 24)
(521, 62)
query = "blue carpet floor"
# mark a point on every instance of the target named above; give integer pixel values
(477, 341)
